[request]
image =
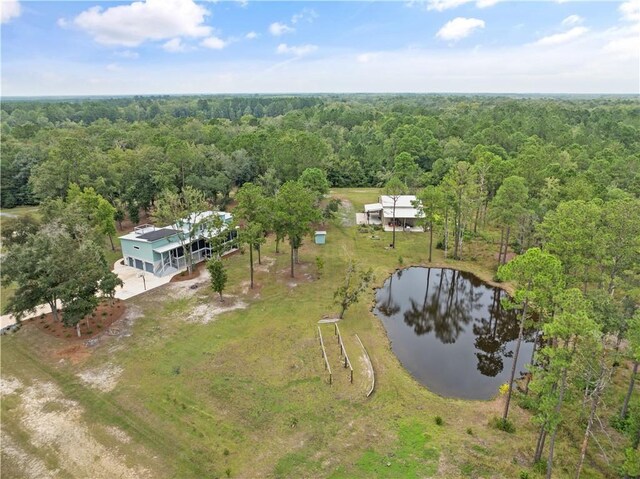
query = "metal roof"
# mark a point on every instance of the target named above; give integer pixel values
(157, 234)
(372, 207)
(167, 247)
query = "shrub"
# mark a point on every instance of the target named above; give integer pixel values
(527, 402)
(523, 475)
(470, 431)
(90, 331)
(400, 260)
(502, 424)
(439, 421)
(540, 467)
(176, 370)
(226, 452)
(228, 472)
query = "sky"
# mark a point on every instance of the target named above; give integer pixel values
(62, 48)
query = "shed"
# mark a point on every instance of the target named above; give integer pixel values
(320, 237)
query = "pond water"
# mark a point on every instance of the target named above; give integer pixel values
(449, 330)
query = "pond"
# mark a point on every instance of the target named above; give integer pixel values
(449, 330)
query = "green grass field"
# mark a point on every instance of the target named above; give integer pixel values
(246, 394)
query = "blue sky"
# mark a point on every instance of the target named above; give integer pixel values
(182, 46)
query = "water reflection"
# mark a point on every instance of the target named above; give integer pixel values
(449, 330)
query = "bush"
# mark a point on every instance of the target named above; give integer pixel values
(439, 421)
(226, 452)
(502, 424)
(540, 467)
(400, 260)
(470, 431)
(527, 402)
(523, 475)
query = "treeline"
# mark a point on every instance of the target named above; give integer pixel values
(130, 149)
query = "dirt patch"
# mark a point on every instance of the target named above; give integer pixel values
(76, 353)
(62, 431)
(266, 265)
(119, 434)
(104, 379)
(510, 256)
(247, 291)
(9, 386)
(107, 313)
(184, 276)
(205, 313)
(302, 274)
(31, 467)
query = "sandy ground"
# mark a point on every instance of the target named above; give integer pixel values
(55, 425)
(103, 379)
(205, 313)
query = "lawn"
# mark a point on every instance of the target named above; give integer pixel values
(245, 393)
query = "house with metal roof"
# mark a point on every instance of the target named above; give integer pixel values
(382, 213)
(161, 250)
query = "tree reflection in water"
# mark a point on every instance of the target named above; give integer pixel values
(447, 304)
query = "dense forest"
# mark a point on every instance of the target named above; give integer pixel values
(130, 149)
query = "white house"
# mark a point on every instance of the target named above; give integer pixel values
(382, 213)
(159, 250)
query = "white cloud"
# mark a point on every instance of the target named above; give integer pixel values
(630, 10)
(576, 67)
(128, 54)
(114, 67)
(306, 14)
(298, 51)
(366, 57)
(442, 5)
(130, 25)
(251, 36)
(459, 28)
(175, 45)
(213, 43)
(572, 20)
(487, 3)
(9, 10)
(564, 37)
(277, 28)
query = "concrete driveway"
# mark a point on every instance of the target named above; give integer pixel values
(135, 282)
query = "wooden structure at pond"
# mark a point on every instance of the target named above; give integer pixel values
(343, 352)
(324, 355)
(366, 379)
